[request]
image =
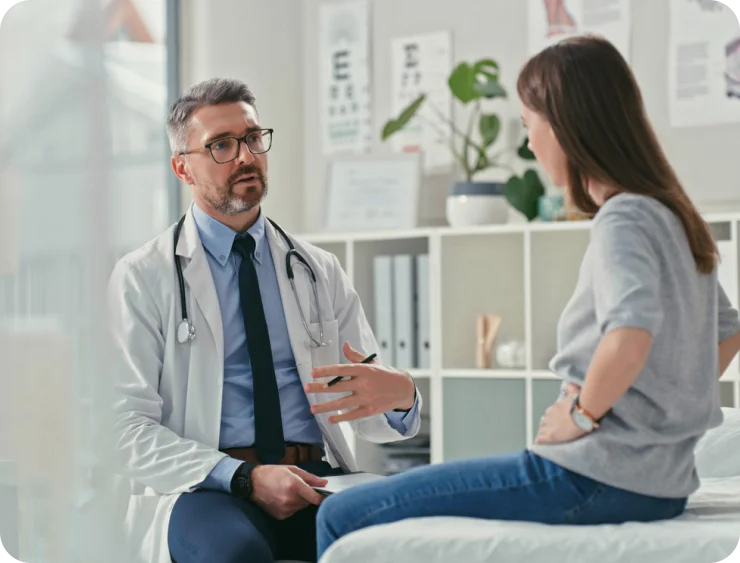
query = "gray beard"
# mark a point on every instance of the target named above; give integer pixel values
(230, 205)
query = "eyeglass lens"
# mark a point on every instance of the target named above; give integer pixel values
(226, 150)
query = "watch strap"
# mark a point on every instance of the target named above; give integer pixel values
(241, 482)
(576, 407)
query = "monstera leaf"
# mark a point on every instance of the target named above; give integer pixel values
(471, 82)
(524, 193)
(395, 125)
(489, 126)
(462, 83)
(486, 79)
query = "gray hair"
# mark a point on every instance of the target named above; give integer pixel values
(207, 93)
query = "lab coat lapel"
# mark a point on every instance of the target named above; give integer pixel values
(300, 342)
(298, 337)
(198, 278)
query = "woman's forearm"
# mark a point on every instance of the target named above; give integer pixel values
(619, 359)
(728, 349)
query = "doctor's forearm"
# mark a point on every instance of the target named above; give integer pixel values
(140, 443)
(618, 361)
(220, 477)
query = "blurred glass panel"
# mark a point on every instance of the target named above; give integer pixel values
(84, 178)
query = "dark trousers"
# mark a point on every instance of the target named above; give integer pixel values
(215, 527)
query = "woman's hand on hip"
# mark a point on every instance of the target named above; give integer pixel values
(374, 387)
(283, 490)
(557, 426)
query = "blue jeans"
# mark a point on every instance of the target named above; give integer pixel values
(520, 486)
(215, 527)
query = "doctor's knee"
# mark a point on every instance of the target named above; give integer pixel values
(238, 549)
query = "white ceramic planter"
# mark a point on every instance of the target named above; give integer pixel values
(472, 203)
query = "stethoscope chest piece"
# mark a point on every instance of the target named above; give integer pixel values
(185, 331)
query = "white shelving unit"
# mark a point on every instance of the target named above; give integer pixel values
(523, 272)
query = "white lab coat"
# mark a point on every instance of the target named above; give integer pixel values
(169, 395)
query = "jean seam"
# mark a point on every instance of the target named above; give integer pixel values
(449, 493)
(593, 497)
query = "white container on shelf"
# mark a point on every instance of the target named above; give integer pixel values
(477, 203)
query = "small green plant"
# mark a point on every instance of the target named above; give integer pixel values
(471, 84)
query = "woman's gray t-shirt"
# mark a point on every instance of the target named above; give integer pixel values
(638, 271)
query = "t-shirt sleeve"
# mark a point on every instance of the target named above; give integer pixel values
(626, 274)
(728, 318)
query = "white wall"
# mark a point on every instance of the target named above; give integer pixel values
(705, 158)
(258, 41)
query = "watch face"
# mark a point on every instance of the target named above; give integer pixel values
(241, 484)
(582, 421)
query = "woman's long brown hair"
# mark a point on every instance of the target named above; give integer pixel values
(588, 94)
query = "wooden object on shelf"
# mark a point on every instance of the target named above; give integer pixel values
(486, 328)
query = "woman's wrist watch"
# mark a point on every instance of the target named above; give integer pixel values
(581, 417)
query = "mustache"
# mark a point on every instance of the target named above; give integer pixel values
(250, 169)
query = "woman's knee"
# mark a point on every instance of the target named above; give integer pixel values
(326, 509)
(331, 511)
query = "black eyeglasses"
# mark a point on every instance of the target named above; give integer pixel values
(227, 149)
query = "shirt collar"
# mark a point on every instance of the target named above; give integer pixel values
(218, 239)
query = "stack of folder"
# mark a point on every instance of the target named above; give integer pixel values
(401, 298)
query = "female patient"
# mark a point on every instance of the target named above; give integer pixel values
(641, 343)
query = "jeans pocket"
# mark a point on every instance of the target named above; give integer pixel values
(607, 505)
(589, 494)
(584, 487)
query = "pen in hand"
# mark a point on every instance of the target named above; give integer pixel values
(367, 360)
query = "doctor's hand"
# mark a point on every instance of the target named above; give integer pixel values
(557, 426)
(374, 387)
(283, 490)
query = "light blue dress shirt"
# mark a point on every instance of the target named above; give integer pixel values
(237, 416)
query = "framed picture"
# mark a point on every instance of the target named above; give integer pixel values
(373, 192)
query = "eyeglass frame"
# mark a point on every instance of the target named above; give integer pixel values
(239, 145)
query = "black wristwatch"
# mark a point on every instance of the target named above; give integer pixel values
(241, 482)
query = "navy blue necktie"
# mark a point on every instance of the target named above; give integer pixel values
(268, 425)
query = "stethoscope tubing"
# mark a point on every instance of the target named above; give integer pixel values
(186, 329)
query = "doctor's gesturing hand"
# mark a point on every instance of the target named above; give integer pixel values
(375, 388)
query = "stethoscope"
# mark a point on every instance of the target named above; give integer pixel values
(186, 330)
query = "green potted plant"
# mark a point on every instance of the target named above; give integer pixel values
(471, 84)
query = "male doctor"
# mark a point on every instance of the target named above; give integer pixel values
(222, 436)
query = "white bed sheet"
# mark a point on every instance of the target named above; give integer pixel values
(708, 532)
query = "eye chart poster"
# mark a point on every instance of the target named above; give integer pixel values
(553, 20)
(704, 64)
(345, 77)
(422, 65)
